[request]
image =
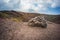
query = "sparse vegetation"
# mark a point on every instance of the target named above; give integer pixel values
(53, 18)
(21, 16)
(10, 15)
(13, 29)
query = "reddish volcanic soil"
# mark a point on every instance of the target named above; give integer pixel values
(10, 30)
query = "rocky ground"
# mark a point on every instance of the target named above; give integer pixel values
(11, 30)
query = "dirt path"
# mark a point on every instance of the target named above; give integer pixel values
(10, 30)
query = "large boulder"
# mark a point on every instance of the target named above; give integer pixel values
(38, 21)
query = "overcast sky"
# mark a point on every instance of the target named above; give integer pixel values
(37, 6)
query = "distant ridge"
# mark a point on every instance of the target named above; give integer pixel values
(27, 16)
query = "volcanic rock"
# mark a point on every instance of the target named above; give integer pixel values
(38, 21)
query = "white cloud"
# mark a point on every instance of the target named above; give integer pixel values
(11, 3)
(53, 5)
(25, 5)
(40, 1)
(29, 4)
(6, 1)
(56, 3)
(49, 1)
(42, 7)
